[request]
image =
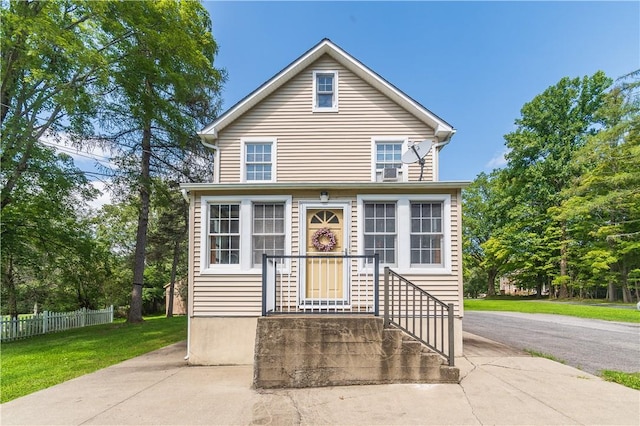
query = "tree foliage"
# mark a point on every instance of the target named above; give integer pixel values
(54, 65)
(165, 88)
(44, 239)
(570, 192)
(603, 204)
(135, 77)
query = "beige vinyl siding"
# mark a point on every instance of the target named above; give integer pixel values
(322, 146)
(240, 294)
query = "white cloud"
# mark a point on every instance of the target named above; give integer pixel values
(498, 160)
(103, 198)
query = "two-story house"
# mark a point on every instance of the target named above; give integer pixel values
(309, 170)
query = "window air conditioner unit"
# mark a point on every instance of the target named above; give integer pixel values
(390, 175)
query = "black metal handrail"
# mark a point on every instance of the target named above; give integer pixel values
(418, 314)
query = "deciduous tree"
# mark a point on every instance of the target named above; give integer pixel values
(165, 87)
(603, 202)
(552, 127)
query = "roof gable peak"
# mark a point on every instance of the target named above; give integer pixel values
(443, 130)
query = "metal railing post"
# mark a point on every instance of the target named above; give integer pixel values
(264, 284)
(452, 354)
(386, 296)
(376, 284)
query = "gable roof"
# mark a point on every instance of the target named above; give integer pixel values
(443, 130)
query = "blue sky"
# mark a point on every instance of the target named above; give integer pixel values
(475, 64)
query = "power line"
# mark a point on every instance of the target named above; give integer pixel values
(99, 158)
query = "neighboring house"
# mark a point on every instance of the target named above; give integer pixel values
(309, 164)
(179, 305)
(509, 288)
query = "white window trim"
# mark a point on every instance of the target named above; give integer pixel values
(333, 108)
(383, 139)
(246, 232)
(274, 156)
(403, 228)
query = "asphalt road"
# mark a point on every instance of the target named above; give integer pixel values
(591, 345)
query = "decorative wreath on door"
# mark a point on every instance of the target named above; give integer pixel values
(324, 240)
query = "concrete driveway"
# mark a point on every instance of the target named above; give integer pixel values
(500, 385)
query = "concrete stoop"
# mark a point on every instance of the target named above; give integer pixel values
(314, 351)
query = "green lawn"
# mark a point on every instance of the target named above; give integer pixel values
(559, 308)
(39, 362)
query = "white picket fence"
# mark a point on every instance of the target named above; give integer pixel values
(49, 322)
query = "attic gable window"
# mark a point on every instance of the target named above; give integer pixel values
(325, 91)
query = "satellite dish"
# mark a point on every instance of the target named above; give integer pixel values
(417, 152)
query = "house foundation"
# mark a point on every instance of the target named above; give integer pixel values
(222, 340)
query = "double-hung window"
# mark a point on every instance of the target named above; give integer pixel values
(325, 91)
(380, 233)
(237, 230)
(411, 233)
(427, 236)
(224, 234)
(268, 234)
(258, 163)
(387, 160)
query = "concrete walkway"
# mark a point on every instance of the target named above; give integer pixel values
(500, 386)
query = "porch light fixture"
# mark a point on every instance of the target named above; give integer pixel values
(324, 196)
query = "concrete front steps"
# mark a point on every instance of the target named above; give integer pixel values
(322, 350)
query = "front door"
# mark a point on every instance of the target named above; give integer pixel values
(325, 276)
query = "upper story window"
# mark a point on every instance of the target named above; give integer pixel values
(258, 160)
(387, 163)
(325, 91)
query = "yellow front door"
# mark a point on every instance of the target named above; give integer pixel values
(325, 276)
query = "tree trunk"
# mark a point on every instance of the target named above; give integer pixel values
(564, 290)
(491, 282)
(611, 291)
(135, 310)
(539, 287)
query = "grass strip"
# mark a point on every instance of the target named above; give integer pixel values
(39, 362)
(544, 355)
(558, 308)
(630, 380)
